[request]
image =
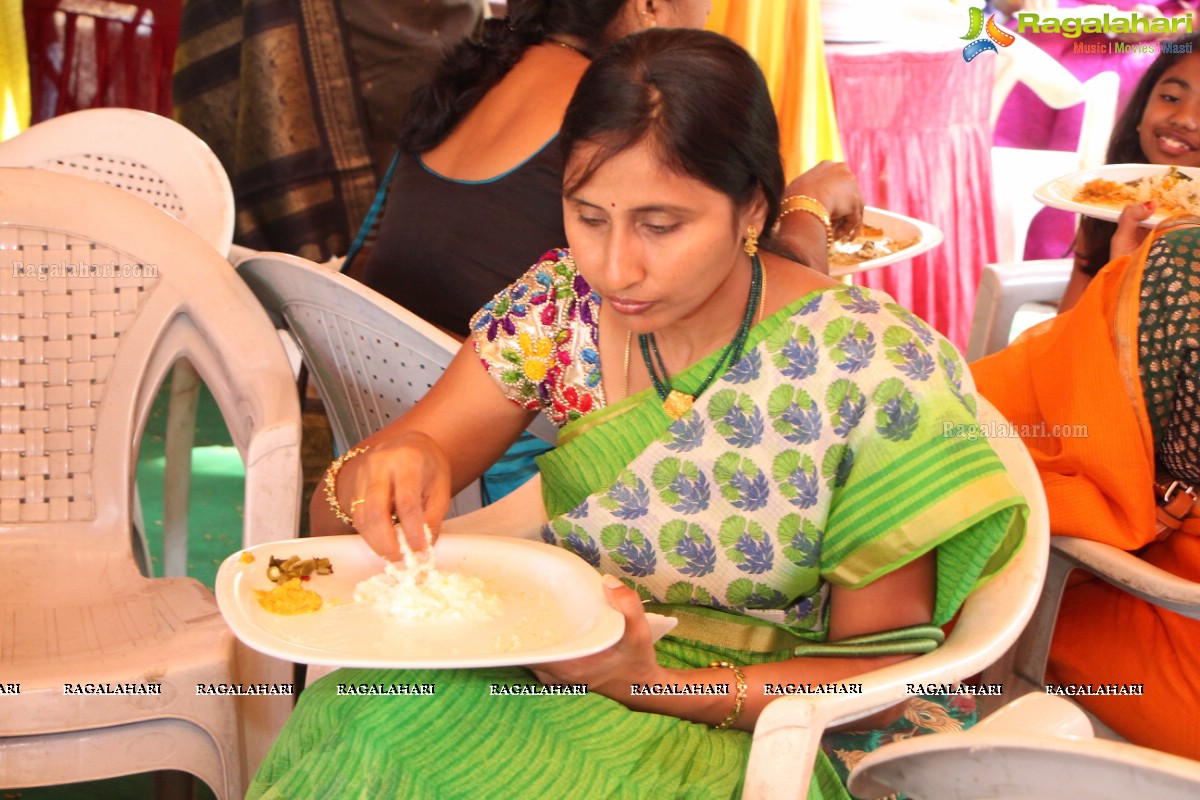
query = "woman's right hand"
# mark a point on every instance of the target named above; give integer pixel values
(1128, 238)
(1130, 233)
(835, 186)
(407, 476)
(412, 467)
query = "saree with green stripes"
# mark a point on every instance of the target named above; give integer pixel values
(826, 455)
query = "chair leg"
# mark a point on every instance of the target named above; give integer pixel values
(174, 785)
(177, 471)
(1033, 648)
(141, 543)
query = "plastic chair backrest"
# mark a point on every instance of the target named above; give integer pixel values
(1016, 175)
(147, 155)
(788, 732)
(370, 358)
(125, 334)
(1025, 62)
(997, 763)
(1018, 172)
(1003, 289)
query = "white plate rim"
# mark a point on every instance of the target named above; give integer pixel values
(606, 631)
(931, 237)
(1057, 193)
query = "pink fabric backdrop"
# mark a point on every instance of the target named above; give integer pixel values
(914, 127)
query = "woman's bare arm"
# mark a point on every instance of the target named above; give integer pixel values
(417, 463)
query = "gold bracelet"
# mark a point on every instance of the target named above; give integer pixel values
(331, 483)
(809, 205)
(739, 700)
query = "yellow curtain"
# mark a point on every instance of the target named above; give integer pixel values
(14, 70)
(784, 36)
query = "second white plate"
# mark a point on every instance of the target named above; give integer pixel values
(896, 227)
(1060, 192)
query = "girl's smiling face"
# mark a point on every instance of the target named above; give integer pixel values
(1169, 132)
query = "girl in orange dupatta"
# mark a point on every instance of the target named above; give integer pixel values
(1108, 392)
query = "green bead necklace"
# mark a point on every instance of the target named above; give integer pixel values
(677, 403)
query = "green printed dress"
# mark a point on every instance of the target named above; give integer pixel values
(818, 459)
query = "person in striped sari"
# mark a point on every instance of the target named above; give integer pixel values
(788, 465)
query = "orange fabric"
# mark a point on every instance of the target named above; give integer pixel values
(1080, 369)
(784, 36)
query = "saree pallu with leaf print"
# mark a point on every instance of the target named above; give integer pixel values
(840, 447)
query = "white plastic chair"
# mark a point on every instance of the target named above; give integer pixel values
(1003, 290)
(82, 359)
(371, 359)
(788, 733)
(168, 166)
(1019, 759)
(1017, 172)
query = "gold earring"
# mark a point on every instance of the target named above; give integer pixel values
(751, 245)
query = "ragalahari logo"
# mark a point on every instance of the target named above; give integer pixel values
(995, 35)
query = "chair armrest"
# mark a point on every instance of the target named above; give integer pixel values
(1115, 566)
(1004, 288)
(788, 733)
(1128, 572)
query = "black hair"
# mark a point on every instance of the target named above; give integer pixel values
(472, 68)
(1125, 147)
(697, 96)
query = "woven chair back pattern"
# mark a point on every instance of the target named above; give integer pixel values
(59, 335)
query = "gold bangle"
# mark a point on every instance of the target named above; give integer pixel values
(331, 484)
(809, 205)
(739, 700)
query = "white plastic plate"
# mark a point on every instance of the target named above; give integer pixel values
(553, 607)
(1059, 193)
(898, 228)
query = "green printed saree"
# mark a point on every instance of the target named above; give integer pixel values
(818, 459)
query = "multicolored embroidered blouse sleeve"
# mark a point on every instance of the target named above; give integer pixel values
(538, 340)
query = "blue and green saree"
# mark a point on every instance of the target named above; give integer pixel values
(825, 456)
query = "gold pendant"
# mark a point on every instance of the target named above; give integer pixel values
(677, 404)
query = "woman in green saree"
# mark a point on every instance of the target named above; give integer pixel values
(783, 462)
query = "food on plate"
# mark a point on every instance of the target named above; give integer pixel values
(246, 557)
(283, 570)
(1173, 192)
(416, 591)
(870, 243)
(289, 597)
(438, 598)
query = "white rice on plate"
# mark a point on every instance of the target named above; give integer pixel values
(416, 592)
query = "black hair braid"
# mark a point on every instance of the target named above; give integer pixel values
(467, 74)
(476, 65)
